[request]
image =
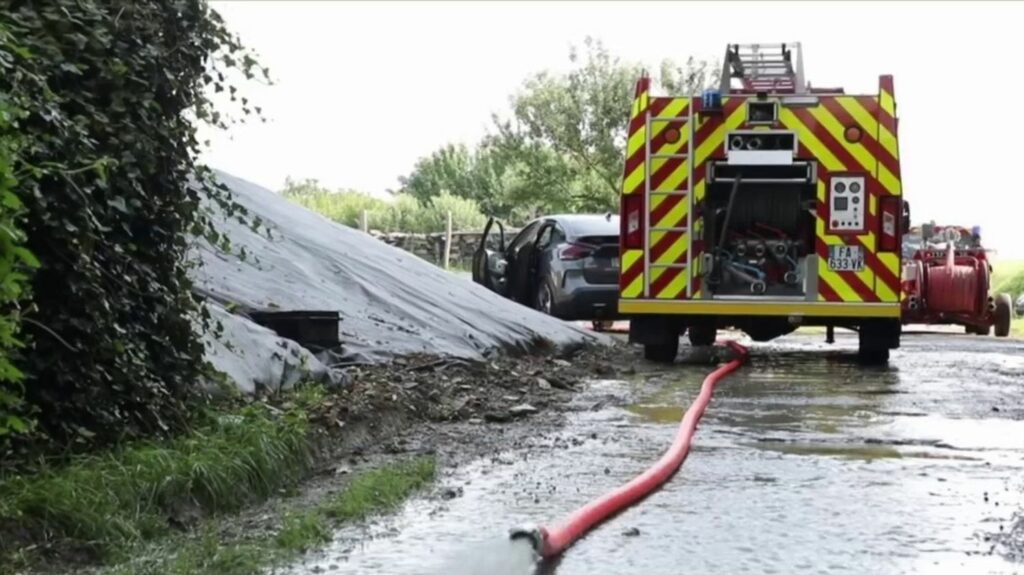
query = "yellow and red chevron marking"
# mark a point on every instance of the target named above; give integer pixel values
(668, 203)
(666, 175)
(636, 146)
(820, 133)
(668, 283)
(631, 266)
(631, 278)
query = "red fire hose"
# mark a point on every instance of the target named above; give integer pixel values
(552, 541)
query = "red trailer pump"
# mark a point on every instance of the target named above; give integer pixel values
(946, 280)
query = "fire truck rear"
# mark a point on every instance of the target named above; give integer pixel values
(762, 205)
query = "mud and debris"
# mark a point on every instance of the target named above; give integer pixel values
(806, 454)
(457, 410)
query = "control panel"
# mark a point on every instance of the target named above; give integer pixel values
(847, 204)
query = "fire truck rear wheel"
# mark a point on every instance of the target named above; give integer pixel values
(702, 334)
(661, 352)
(875, 339)
(873, 356)
(1004, 310)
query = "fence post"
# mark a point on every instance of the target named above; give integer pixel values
(448, 242)
(364, 222)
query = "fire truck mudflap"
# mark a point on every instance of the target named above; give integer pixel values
(763, 205)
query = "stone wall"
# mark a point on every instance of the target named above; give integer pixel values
(431, 246)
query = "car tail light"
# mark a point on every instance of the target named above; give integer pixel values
(889, 212)
(575, 252)
(631, 222)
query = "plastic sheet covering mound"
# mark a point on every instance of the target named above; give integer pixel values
(391, 302)
(255, 358)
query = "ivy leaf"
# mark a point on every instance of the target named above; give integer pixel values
(118, 204)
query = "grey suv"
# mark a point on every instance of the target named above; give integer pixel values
(564, 265)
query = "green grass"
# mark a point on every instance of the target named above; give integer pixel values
(374, 491)
(378, 490)
(302, 530)
(106, 504)
(1008, 277)
(119, 509)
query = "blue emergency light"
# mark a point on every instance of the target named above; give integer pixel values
(711, 101)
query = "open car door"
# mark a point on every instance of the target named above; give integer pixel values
(489, 264)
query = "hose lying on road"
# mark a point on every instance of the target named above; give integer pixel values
(552, 541)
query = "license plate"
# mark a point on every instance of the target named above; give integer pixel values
(845, 258)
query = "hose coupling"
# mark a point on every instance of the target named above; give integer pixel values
(532, 533)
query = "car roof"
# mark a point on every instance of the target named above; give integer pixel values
(587, 224)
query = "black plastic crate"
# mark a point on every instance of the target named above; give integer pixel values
(317, 328)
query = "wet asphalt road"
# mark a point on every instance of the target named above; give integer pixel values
(804, 463)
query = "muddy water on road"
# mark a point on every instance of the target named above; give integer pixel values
(805, 463)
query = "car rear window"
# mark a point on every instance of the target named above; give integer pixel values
(594, 226)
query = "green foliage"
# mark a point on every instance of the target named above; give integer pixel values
(111, 93)
(15, 262)
(380, 489)
(403, 213)
(210, 554)
(343, 206)
(1008, 277)
(107, 503)
(562, 149)
(302, 530)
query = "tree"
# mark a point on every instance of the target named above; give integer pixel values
(563, 146)
(582, 117)
(480, 175)
(343, 206)
(403, 213)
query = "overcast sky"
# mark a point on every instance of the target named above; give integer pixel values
(363, 89)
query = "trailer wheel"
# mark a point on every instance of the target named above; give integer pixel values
(1004, 309)
(661, 352)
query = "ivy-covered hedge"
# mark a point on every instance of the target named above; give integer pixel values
(112, 92)
(15, 263)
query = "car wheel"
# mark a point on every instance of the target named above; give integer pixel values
(544, 302)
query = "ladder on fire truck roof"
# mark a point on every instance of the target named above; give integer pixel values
(772, 68)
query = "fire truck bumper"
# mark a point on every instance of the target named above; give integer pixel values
(762, 308)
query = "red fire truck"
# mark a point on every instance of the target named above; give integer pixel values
(763, 204)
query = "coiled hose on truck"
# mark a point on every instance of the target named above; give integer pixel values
(551, 541)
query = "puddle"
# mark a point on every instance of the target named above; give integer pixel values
(803, 463)
(848, 451)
